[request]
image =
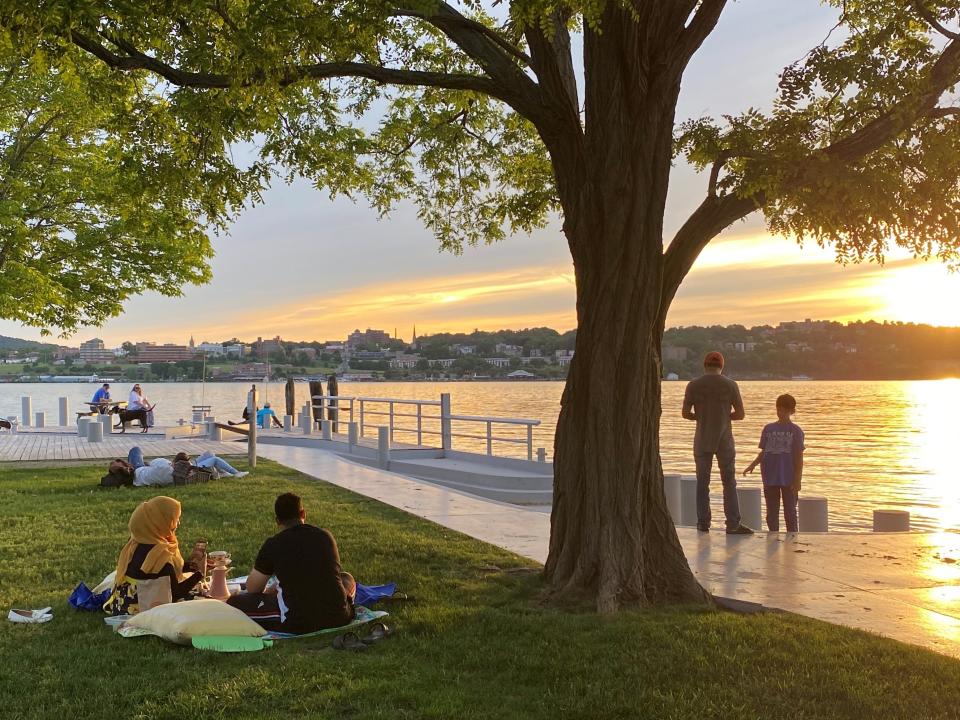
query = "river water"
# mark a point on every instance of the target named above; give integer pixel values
(869, 444)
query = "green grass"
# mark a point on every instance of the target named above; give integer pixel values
(478, 644)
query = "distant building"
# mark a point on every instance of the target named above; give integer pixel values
(308, 351)
(63, 352)
(405, 361)
(215, 349)
(564, 360)
(371, 338)
(93, 352)
(237, 351)
(464, 349)
(521, 375)
(264, 348)
(536, 352)
(500, 362)
(505, 349)
(444, 363)
(151, 352)
(371, 355)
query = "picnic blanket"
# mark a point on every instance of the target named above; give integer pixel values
(362, 616)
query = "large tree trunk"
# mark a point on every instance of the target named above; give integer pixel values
(612, 539)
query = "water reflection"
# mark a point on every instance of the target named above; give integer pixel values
(870, 445)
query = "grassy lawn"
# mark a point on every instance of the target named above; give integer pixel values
(476, 645)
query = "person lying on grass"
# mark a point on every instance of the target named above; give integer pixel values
(312, 592)
(152, 553)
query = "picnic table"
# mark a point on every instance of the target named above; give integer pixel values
(102, 407)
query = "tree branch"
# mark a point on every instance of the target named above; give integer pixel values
(932, 20)
(696, 31)
(136, 60)
(552, 60)
(942, 112)
(713, 216)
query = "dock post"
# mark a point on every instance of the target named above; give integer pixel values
(40, 419)
(306, 419)
(252, 433)
(751, 502)
(333, 391)
(26, 407)
(325, 430)
(82, 426)
(95, 432)
(688, 500)
(64, 412)
(287, 423)
(541, 455)
(107, 422)
(891, 521)
(383, 447)
(813, 515)
(446, 424)
(353, 439)
(671, 491)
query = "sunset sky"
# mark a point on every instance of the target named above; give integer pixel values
(305, 267)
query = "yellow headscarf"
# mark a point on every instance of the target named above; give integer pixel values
(154, 522)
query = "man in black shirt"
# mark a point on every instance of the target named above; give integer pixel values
(312, 591)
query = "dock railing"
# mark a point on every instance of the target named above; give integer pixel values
(417, 419)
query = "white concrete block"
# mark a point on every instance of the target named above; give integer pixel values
(891, 521)
(95, 432)
(671, 490)
(751, 506)
(40, 419)
(813, 514)
(688, 500)
(83, 424)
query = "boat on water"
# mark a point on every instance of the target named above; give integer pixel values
(801, 377)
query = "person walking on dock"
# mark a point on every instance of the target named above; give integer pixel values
(713, 402)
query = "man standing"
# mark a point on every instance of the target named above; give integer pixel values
(312, 591)
(713, 401)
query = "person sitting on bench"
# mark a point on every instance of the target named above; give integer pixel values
(101, 398)
(312, 591)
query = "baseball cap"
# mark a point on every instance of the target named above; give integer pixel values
(713, 359)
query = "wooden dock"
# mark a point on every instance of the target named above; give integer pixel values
(51, 444)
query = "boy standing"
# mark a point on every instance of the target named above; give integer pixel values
(781, 465)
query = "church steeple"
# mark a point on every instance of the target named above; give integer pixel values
(191, 342)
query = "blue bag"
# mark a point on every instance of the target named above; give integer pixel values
(82, 598)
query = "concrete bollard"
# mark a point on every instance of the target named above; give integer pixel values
(64, 419)
(287, 423)
(688, 500)
(751, 506)
(541, 455)
(95, 432)
(383, 447)
(891, 521)
(813, 514)
(216, 433)
(671, 491)
(353, 436)
(325, 430)
(26, 410)
(40, 419)
(306, 422)
(107, 422)
(82, 425)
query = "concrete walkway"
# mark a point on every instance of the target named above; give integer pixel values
(903, 586)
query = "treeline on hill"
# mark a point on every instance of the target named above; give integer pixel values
(545, 340)
(822, 350)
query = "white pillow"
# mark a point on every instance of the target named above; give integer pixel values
(180, 622)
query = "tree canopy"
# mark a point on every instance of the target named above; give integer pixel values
(473, 112)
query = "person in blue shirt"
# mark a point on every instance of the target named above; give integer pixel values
(781, 465)
(101, 398)
(264, 415)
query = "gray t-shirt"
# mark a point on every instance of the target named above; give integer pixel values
(712, 398)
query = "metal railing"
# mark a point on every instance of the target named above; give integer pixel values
(408, 418)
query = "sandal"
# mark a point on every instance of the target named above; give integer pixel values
(397, 597)
(348, 641)
(378, 631)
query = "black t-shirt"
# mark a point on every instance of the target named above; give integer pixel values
(307, 564)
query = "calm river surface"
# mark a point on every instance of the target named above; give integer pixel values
(869, 445)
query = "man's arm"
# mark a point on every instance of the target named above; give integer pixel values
(256, 581)
(738, 413)
(687, 411)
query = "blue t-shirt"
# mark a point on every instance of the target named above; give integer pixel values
(263, 416)
(100, 395)
(781, 444)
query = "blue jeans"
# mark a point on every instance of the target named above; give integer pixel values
(772, 495)
(222, 466)
(726, 459)
(135, 457)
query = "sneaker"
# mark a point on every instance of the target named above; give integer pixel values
(740, 530)
(703, 527)
(241, 474)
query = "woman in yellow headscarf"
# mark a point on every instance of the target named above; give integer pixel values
(151, 553)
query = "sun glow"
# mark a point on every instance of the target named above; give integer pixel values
(920, 293)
